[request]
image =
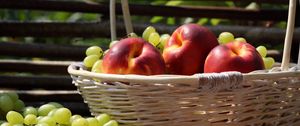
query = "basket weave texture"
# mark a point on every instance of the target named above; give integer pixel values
(218, 99)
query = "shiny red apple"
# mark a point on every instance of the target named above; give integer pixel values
(187, 48)
(133, 56)
(233, 56)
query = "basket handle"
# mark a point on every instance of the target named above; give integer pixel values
(112, 18)
(289, 36)
(126, 16)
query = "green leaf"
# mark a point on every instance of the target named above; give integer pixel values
(215, 21)
(156, 19)
(202, 21)
(171, 21)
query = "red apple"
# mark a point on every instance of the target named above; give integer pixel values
(133, 56)
(233, 56)
(187, 48)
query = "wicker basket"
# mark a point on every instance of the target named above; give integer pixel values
(260, 98)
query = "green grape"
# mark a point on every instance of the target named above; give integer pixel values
(97, 67)
(51, 113)
(93, 121)
(269, 62)
(240, 39)
(30, 119)
(262, 51)
(42, 124)
(39, 117)
(103, 118)
(6, 103)
(62, 115)
(164, 39)
(90, 60)
(133, 35)
(154, 38)
(13, 95)
(80, 122)
(48, 120)
(94, 50)
(30, 110)
(74, 117)
(111, 123)
(18, 125)
(14, 117)
(19, 105)
(111, 44)
(45, 109)
(6, 124)
(147, 32)
(225, 37)
(56, 104)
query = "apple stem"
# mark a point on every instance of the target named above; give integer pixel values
(126, 16)
(112, 14)
(289, 36)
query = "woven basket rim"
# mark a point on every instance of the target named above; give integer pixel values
(76, 69)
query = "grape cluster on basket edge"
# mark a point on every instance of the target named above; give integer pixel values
(190, 49)
(13, 112)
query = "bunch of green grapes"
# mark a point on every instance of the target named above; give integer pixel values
(226, 37)
(268, 61)
(54, 114)
(93, 59)
(8, 102)
(151, 35)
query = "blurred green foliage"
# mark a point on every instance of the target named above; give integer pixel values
(46, 16)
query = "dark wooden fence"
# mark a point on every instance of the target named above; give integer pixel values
(44, 81)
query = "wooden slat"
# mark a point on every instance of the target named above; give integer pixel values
(259, 34)
(60, 52)
(48, 67)
(36, 82)
(147, 10)
(48, 96)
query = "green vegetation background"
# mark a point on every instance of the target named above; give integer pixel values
(44, 16)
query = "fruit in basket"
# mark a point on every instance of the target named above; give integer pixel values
(94, 50)
(225, 37)
(268, 61)
(240, 39)
(90, 60)
(97, 67)
(262, 50)
(233, 56)
(187, 48)
(154, 38)
(147, 32)
(133, 56)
